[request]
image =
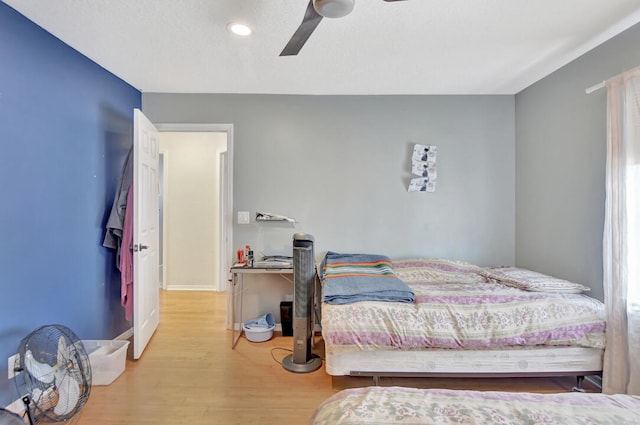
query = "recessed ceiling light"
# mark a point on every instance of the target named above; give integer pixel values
(239, 29)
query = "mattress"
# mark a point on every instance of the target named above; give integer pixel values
(395, 405)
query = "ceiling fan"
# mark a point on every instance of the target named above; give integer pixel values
(316, 10)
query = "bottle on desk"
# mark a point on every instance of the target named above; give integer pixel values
(240, 254)
(250, 259)
(249, 255)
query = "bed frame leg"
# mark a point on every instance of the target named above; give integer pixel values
(578, 388)
(376, 380)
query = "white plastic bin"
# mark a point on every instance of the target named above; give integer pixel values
(107, 358)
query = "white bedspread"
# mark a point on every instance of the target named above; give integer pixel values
(457, 309)
(395, 405)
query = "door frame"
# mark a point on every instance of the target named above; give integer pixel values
(164, 155)
(226, 193)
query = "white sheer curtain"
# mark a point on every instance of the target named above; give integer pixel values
(621, 373)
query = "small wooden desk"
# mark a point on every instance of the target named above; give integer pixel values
(237, 284)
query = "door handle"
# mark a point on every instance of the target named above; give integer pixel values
(140, 247)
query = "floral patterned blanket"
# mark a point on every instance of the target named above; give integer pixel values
(396, 405)
(456, 308)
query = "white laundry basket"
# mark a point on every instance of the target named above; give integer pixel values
(108, 359)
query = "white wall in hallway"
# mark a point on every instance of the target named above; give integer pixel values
(192, 208)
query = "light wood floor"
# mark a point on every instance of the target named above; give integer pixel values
(190, 375)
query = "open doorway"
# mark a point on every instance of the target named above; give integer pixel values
(196, 205)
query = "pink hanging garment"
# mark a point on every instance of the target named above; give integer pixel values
(126, 259)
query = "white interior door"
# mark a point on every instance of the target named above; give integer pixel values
(146, 302)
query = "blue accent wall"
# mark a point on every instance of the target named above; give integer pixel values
(66, 125)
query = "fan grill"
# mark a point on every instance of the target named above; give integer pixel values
(55, 373)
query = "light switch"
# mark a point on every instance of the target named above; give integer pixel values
(243, 217)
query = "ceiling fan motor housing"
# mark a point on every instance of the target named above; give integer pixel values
(333, 8)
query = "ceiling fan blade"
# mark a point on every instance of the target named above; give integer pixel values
(309, 23)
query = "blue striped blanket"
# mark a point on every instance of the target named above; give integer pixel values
(349, 278)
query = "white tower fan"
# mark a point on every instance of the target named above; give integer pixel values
(304, 273)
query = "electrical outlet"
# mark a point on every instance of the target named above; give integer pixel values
(11, 365)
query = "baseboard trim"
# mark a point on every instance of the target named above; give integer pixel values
(207, 288)
(277, 328)
(124, 336)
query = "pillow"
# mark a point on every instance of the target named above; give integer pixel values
(532, 281)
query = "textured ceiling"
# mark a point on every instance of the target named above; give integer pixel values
(409, 47)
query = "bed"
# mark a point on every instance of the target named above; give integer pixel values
(395, 405)
(462, 322)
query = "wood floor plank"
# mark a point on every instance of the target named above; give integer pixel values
(190, 375)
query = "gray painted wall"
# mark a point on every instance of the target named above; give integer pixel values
(340, 165)
(560, 163)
